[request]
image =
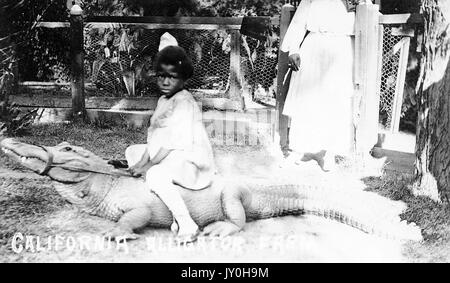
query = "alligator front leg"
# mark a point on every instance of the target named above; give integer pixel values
(234, 200)
(129, 222)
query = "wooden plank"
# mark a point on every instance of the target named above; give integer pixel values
(77, 66)
(134, 119)
(43, 84)
(241, 133)
(253, 130)
(263, 126)
(270, 120)
(366, 100)
(402, 31)
(166, 20)
(175, 20)
(50, 101)
(398, 19)
(26, 98)
(161, 22)
(221, 104)
(380, 61)
(235, 66)
(229, 130)
(400, 85)
(239, 116)
(165, 26)
(53, 25)
(219, 125)
(203, 23)
(51, 115)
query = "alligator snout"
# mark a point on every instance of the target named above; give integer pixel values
(8, 145)
(30, 156)
(7, 142)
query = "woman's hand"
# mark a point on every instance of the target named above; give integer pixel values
(294, 61)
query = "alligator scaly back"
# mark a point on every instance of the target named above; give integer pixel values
(280, 200)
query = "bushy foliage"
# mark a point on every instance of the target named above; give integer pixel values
(234, 8)
(13, 121)
(400, 6)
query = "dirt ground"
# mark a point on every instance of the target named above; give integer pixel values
(30, 206)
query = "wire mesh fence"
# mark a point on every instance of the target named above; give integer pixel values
(389, 75)
(259, 66)
(119, 60)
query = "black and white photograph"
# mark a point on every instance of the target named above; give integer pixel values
(224, 131)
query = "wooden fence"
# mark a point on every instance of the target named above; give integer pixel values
(368, 69)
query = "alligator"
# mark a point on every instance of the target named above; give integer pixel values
(96, 187)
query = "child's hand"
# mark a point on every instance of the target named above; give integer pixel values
(136, 170)
(139, 170)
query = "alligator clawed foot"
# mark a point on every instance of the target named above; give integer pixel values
(120, 234)
(220, 229)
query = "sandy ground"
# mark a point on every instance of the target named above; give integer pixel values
(286, 239)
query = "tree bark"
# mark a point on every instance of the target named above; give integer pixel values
(433, 131)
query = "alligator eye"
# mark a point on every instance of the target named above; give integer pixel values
(67, 148)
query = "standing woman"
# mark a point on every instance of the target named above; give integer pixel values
(320, 45)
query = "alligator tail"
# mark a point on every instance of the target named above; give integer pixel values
(273, 201)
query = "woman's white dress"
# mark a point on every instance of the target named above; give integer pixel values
(320, 93)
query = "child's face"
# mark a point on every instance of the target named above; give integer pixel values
(169, 81)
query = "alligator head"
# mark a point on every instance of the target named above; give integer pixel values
(63, 163)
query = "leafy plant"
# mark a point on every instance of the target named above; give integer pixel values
(16, 26)
(13, 121)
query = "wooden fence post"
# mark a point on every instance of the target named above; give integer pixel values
(281, 123)
(366, 98)
(77, 62)
(235, 67)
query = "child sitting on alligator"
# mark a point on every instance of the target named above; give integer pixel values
(178, 151)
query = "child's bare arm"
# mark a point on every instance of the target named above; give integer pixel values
(145, 163)
(141, 166)
(162, 153)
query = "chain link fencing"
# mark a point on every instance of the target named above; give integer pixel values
(119, 61)
(389, 75)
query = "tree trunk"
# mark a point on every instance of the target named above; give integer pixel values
(433, 131)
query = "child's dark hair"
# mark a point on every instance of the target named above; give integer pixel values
(175, 56)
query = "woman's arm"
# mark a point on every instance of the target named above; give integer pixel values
(297, 29)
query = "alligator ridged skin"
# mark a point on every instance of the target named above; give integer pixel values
(226, 203)
(109, 198)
